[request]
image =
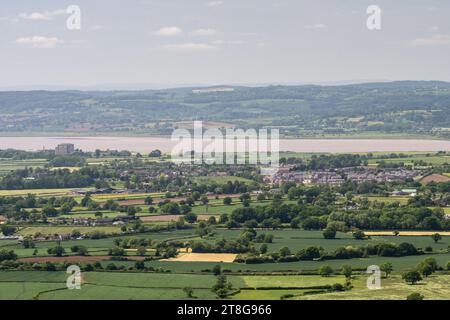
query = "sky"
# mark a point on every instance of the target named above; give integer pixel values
(212, 42)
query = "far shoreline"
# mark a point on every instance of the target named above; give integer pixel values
(74, 135)
(144, 144)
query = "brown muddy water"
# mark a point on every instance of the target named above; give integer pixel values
(146, 144)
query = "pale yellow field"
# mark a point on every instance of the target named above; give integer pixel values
(406, 233)
(104, 197)
(204, 257)
(39, 192)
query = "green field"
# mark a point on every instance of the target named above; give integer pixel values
(433, 160)
(435, 287)
(50, 230)
(107, 285)
(39, 192)
(44, 285)
(8, 165)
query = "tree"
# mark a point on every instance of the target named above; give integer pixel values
(261, 197)
(28, 242)
(7, 230)
(329, 233)
(189, 292)
(148, 200)
(204, 200)
(212, 220)
(387, 268)
(425, 269)
(141, 251)
(56, 251)
(190, 201)
(86, 200)
(359, 235)
(227, 201)
(190, 217)
(222, 287)
(436, 237)
(75, 234)
(347, 271)
(263, 249)
(244, 196)
(411, 277)
(170, 208)
(415, 296)
(49, 211)
(98, 214)
(155, 154)
(217, 270)
(7, 255)
(284, 252)
(196, 195)
(326, 271)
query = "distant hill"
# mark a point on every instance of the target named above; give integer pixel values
(399, 108)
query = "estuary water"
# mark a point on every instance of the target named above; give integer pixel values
(146, 144)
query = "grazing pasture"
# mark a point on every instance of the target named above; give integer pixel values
(435, 287)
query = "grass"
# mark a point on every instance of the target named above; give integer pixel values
(400, 264)
(45, 285)
(38, 192)
(433, 160)
(221, 180)
(388, 200)
(50, 230)
(106, 285)
(290, 281)
(133, 196)
(394, 288)
(8, 165)
(266, 294)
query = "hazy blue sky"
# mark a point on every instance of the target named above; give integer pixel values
(221, 41)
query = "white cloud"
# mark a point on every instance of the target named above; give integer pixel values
(169, 32)
(188, 47)
(40, 42)
(436, 40)
(214, 3)
(204, 32)
(225, 42)
(96, 27)
(45, 15)
(316, 26)
(433, 29)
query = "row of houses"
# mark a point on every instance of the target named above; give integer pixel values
(361, 174)
(339, 176)
(119, 220)
(315, 177)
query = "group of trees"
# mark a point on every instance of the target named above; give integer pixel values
(316, 217)
(29, 178)
(318, 253)
(322, 162)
